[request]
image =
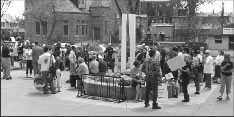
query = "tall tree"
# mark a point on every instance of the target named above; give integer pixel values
(42, 11)
(192, 6)
(4, 6)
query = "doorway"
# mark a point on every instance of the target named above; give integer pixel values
(97, 33)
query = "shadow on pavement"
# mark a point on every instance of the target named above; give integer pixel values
(38, 94)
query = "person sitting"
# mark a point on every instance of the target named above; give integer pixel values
(136, 75)
(94, 66)
(102, 66)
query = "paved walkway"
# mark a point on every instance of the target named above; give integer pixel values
(20, 98)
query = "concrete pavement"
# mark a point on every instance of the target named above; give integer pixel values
(20, 98)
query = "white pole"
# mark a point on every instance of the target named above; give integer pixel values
(123, 43)
(132, 32)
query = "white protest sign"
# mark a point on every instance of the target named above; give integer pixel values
(176, 63)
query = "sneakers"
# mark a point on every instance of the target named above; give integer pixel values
(227, 98)
(9, 78)
(155, 106)
(147, 105)
(175, 96)
(197, 93)
(219, 98)
(185, 100)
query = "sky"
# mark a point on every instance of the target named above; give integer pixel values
(17, 7)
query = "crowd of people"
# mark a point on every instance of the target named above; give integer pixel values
(150, 61)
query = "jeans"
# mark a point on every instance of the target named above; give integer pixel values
(197, 79)
(46, 81)
(217, 72)
(185, 88)
(226, 81)
(6, 66)
(35, 68)
(58, 75)
(208, 80)
(29, 66)
(151, 86)
(72, 68)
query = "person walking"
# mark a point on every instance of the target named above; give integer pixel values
(218, 60)
(58, 71)
(45, 63)
(6, 62)
(226, 77)
(36, 52)
(152, 70)
(185, 78)
(72, 59)
(208, 69)
(28, 55)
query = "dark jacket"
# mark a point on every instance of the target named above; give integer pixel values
(6, 52)
(102, 66)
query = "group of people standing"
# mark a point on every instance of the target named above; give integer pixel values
(199, 68)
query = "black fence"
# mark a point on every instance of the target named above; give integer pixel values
(100, 87)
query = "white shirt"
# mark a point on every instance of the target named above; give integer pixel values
(72, 56)
(218, 60)
(157, 56)
(208, 65)
(94, 67)
(181, 54)
(44, 60)
(28, 54)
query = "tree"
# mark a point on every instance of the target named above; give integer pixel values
(4, 6)
(42, 11)
(191, 6)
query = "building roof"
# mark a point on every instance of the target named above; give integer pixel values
(67, 6)
(103, 3)
(218, 31)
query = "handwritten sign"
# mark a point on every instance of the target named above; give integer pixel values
(176, 63)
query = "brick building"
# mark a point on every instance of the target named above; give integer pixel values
(78, 20)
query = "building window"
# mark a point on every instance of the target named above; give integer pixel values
(84, 27)
(2, 24)
(218, 41)
(38, 27)
(78, 23)
(44, 27)
(65, 27)
(105, 27)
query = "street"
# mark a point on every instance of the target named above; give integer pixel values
(20, 98)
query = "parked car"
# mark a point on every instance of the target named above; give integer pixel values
(150, 43)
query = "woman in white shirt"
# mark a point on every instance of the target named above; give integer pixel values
(208, 68)
(218, 60)
(28, 55)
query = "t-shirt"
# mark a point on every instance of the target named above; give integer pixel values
(45, 60)
(185, 75)
(227, 68)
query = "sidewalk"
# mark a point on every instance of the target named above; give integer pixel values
(20, 98)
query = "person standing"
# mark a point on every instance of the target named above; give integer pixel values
(137, 79)
(72, 59)
(218, 60)
(197, 72)
(28, 54)
(45, 63)
(185, 78)
(6, 62)
(81, 70)
(152, 70)
(226, 79)
(208, 69)
(36, 52)
(109, 51)
(58, 71)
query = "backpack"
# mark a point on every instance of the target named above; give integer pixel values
(200, 66)
(150, 71)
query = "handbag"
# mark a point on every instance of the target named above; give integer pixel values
(52, 69)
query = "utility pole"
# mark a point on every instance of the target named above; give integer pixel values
(222, 16)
